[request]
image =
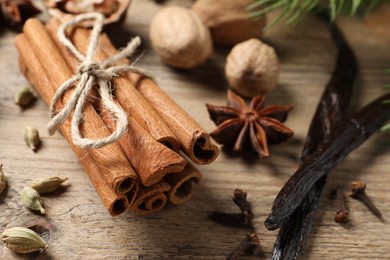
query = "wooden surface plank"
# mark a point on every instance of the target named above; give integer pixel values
(80, 227)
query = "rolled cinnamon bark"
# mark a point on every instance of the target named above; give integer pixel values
(150, 199)
(182, 184)
(194, 140)
(126, 94)
(33, 71)
(119, 174)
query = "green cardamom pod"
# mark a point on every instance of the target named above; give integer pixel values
(47, 184)
(30, 199)
(24, 97)
(3, 179)
(23, 240)
(31, 137)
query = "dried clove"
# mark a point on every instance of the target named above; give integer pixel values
(342, 213)
(246, 246)
(358, 192)
(243, 219)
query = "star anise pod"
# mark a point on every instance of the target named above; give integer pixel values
(256, 126)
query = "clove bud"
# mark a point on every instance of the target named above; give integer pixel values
(246, 246)
(243, 219)
(358, 192)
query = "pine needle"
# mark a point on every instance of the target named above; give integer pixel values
(292, 11)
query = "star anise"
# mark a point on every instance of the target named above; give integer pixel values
(256, 126)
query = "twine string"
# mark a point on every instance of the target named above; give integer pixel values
(89, 74)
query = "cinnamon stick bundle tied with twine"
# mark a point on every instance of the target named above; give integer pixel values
(131, 169)
(150, 159)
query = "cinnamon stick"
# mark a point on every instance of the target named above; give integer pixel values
(182, 184)
(194, 140)
(119, 174)
(150, 199)
(125, 92)
(34, 72)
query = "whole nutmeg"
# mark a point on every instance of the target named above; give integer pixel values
(252, 68)
(229, 21)
(180, 38)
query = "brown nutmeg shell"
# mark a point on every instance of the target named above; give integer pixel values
(252, 68)
(180, 38)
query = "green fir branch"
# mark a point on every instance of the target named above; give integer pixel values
(292, 11)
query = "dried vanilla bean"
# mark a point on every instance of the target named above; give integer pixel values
(330, 113)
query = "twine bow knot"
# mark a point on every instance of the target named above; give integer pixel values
(89, 73)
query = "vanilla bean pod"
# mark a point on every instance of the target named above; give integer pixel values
(353, 133)
(330, 114)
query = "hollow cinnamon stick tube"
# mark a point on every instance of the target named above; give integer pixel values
(33, 71)
(126, 94)
(194, 140)
(182, 184)
(150, 199)
(119, 174)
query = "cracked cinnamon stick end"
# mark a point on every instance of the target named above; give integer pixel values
(182, 184)
(194, 141)
(150, 199)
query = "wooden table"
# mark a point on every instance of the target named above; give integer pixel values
(81, 228)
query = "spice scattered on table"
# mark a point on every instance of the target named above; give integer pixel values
(342, 213)
(47, 184)
(243, 219)
(254, 127)
(24, 97)
(358, 189)
(180, 38)
(252, 68)
(31, 199)
(3, 179)
(31, 137)
(23, 240)
(246, 247)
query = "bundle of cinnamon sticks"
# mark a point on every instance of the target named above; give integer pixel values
(144, 168)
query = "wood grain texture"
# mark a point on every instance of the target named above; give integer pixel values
(82, 229)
